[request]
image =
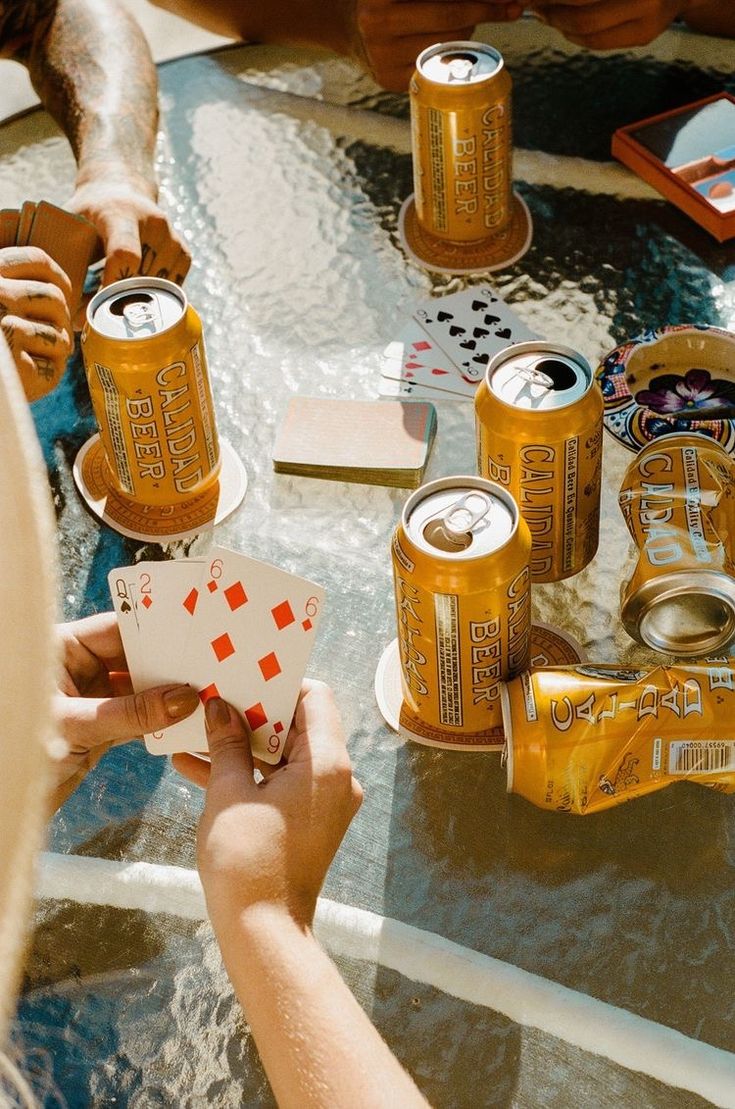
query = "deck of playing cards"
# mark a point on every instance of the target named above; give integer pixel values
(355, 440)
(443, 352)
(70, 240)
(230, 626)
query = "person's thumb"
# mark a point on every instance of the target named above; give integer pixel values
(88, 722)
(229, 742)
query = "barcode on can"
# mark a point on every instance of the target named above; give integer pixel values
(529, 700)
(448, 661)
(705, 756)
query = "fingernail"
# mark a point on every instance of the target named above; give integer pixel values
(180, 701)
(216, 713)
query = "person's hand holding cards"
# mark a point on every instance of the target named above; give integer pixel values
(96, 707)
(230, 626)
(35, 317)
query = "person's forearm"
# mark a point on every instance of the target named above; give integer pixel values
(328, 23)
(91, 67)
(318, 1047)
(713, 17)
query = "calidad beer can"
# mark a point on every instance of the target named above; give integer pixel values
(147, 371)
(460, 568)
(678, 500)
(464, 216)
(538, 415)
(584, 738)
(462, 141)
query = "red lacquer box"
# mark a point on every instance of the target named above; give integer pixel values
(688, 155)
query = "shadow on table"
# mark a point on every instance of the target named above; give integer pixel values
(627, 906)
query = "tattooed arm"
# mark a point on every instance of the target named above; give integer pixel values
(92, 69)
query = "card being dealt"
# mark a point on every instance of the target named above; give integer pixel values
(230, 626)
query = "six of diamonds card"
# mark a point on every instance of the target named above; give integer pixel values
(230, 626)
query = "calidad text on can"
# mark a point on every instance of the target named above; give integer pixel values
(538, 415)
(462, 141)
(146, 367)
(678, 500)
(460, 568)
(584, 738)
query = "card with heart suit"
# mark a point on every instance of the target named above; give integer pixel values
(470, 327)
(230, 626)
(415, 360)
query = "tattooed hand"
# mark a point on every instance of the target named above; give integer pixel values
(34, 317)
(136, 235)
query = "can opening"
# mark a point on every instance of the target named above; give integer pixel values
(117, 308)
(690, 623)
(452, 530)
(438, 535)
(560, 374)
(460, 64)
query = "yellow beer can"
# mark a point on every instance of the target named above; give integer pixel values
(678, 500)
(146, 366)
(538, 416)
(460, 568)
(464, 216)
(584, 738)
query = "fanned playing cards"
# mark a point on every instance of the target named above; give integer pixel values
(69, 239)
(353, 440)
(444, 350)
(229, 626)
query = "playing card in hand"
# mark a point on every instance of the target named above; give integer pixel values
(230, 626)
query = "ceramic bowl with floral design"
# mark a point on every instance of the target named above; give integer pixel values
(679, 378)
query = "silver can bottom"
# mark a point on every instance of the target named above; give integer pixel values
(685, 613)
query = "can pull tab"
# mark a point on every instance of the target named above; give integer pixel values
(461, 66)
(142, 315)
(461, 518)
(535, 377)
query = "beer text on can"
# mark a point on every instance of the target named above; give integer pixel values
(463, 609)
(147, 371)
(678, 500)
(584, 738)
(538, 417)
(462, 141)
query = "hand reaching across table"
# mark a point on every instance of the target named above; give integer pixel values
(91, 67)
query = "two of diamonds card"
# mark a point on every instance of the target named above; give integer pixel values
(230, 626)
(444, 350)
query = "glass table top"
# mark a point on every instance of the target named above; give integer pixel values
(285, 171)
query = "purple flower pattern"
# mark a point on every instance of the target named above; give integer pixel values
(696, 393)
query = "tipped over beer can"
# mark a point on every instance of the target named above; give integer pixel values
(538, 417)
(147, 372)
(464, 216)
(584, 738)
(460, 567)
(678, 500)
